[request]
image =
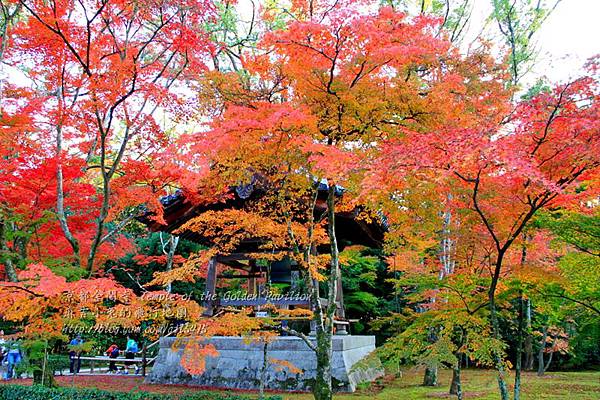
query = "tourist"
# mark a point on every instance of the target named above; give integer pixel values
(14, 356)
(75, 355)
(112, 352)
(3, 349)
(130, 350)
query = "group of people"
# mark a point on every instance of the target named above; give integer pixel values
(131, 348)
(11, 355)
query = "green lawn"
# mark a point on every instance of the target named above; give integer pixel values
(478, 384)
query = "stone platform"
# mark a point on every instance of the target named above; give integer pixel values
(239, 363)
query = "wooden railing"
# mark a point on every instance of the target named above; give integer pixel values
(121, 360)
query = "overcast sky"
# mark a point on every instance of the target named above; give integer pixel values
(569, 37)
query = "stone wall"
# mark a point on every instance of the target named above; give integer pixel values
(239, 363)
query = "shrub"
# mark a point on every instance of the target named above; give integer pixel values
(37, 392)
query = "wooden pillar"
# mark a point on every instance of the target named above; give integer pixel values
(211, 288)
(313, 324)
(252, 278)
(144, 360)
(315, 284)
(340, 312)
(295, 278)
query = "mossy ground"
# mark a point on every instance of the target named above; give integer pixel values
(477, 384)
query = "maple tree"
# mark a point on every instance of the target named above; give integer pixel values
(108, 70)
(539, 157)
(336, 82)
(517, 22)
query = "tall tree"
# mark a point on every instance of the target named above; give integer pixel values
(109, 70)
(339, 80)
(511, 171)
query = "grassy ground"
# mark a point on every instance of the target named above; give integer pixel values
(477, 384)
(480, 384)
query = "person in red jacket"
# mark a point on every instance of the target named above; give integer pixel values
(112, 352)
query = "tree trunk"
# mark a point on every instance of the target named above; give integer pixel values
(6, 256)
(431, 376)
(495, 328)
(517, 388)
(447, 265)
(99, 226)
(45, 378)
(263, 371)
(172, 244)
(43, 375)
(548, 362)
(528, 338)
(322, 389)
(547, 365)
(9, 17)
(60, 194)
(20, 246)
(540, 371)
(322, 321)
(456, 385)
(107, 173)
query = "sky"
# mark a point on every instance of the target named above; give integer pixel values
(569, 37)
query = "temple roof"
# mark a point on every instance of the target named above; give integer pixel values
(350, 229)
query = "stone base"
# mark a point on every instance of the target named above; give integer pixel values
(239, 363)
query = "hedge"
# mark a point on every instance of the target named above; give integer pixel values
(37, 392)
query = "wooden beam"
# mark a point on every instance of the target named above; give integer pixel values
(248, 276)
(340, 312)
(246, 255)
(252, 280)
(211, 287)
(261, 301)
(324, 302)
